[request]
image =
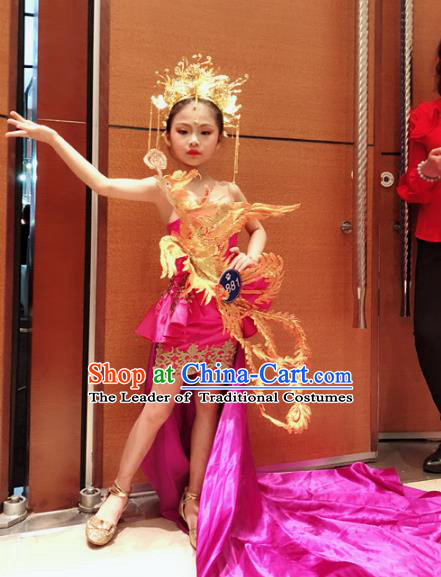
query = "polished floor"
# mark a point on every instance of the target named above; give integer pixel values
(146, 543)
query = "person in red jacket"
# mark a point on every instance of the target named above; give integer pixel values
(421, 184)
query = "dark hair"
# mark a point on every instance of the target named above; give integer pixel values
(218, 116)
(438, 70)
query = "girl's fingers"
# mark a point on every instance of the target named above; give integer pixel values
(238, 263)
(245, 264)
(13, 113)
(242, 266)
(17, 123)
(240, 260)
(16, 133)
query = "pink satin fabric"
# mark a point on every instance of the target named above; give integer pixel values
(352, 521)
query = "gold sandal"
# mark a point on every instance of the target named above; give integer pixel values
(188, 496)
(100, 532)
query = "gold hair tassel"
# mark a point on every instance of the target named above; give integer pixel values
(158, 128)
(149, 146)
(236, 154)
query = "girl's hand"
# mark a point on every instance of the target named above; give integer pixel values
(29, 129)
(241, 260)
(432, 166)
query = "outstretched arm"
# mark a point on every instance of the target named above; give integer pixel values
(257, 241)
(146, 189)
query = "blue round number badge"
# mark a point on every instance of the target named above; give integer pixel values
(231, 282)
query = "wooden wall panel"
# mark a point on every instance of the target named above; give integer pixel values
(301, 67)
(8, 67)
(7, 36)
(390, 78)
(61, 80)
(59, 263)
(57, 343)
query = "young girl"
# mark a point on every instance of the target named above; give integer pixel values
(194, 132)
(355, 520)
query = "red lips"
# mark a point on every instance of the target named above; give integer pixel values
(193, 153)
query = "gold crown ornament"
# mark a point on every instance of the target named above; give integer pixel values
(196, 79)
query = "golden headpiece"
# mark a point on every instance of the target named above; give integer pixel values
(199, 80)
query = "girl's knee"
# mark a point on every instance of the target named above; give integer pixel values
(157, 413)
(206, 408)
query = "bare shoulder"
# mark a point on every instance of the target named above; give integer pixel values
(235, 192)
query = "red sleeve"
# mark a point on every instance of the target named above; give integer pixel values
(411, 187)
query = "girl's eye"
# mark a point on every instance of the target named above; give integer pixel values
(183, 131)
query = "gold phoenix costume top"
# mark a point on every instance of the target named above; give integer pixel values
(200, 247)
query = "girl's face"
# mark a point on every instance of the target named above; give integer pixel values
(194, 135)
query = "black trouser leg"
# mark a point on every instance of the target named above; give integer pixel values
(427, 315)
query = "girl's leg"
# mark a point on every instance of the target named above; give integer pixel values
(139, 441)
(202, 436)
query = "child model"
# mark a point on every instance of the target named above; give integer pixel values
(355, 520)
(193, 320)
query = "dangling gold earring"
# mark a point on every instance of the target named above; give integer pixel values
(155, 158)
(158, 129)
(150, 126)
(236, 154)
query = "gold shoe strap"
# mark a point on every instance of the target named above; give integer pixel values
(188, 496)
(115, 489)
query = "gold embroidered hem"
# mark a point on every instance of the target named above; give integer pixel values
(177, 357)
